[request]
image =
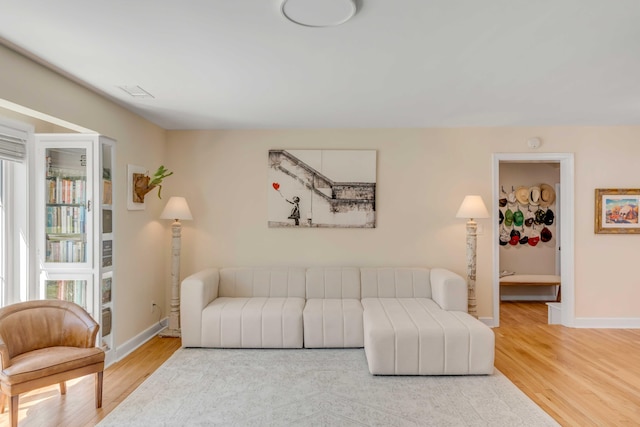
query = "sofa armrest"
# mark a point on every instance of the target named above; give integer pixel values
(196, 292)
(5, 359)
(79, 329)
(449, 290)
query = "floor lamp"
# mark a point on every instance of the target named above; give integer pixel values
(176, 209)
(472, 207)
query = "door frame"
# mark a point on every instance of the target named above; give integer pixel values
(567, 262)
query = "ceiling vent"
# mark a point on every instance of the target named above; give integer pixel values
(136, 91)
(318, 13)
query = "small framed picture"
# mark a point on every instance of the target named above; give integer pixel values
(617, 211)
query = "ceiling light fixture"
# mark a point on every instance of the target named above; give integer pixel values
(318, 13)
(136, 91)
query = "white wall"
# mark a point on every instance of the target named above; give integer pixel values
(142, 240)
(423, 175)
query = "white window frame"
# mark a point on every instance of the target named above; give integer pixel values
(16, 268)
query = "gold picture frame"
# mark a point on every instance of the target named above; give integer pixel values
(616, 211)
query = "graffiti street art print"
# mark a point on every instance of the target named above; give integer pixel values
(322, 188)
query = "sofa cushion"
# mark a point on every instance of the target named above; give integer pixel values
(414, 336)
(262, 282)
(395, 282)
(333, 282)
(49, 361)
(256, 322)
(333, 323)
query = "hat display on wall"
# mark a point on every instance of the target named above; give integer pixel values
(522, 195)
(547, 195)
(534, 195)
(537, 216)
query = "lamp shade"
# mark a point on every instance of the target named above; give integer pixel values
(472, 207)
(177, 208)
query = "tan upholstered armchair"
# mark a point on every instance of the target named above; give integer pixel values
(43, 343)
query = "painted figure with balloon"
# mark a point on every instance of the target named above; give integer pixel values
(295, 201)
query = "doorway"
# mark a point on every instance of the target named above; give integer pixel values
(564, 227)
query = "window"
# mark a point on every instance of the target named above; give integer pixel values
(14, 215)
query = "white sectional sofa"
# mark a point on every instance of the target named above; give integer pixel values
(410, 321)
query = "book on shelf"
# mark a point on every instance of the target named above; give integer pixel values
(66, 190)
(107, 221)
(107, 250)
(106, 192)
(65, 251)
(106, 290)
(67, 290)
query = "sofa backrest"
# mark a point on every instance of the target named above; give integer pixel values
(395, 282)
(333, 282)
(262, 282)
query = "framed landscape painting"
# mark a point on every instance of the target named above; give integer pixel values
(617, 210)
(322, 189)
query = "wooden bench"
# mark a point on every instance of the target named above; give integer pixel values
(531, 280)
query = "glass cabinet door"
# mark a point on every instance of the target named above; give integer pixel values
(76, 288)
(66, 206)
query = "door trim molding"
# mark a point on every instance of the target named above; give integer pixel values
(567, 185)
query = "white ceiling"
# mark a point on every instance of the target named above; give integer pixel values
(238, 64)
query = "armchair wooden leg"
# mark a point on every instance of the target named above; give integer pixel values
(3, 402)
(13, 410)
(63, 387)
(99, 389)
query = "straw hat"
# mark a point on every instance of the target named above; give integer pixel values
(534, 195)
(547, 195)
(522, 195)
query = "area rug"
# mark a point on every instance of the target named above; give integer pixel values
(212, 387)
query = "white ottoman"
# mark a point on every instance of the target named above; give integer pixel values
(414, 336)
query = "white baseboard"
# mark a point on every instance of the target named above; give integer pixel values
(590, 322)
(607, 322)
(489, 321)
(541, 298)
(126, 348)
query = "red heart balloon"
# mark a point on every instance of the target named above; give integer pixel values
(276, 185)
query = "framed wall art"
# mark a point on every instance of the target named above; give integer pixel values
(322, 188)
(616, 211)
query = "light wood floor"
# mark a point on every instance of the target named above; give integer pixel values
(581, 377)
(46, 407)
